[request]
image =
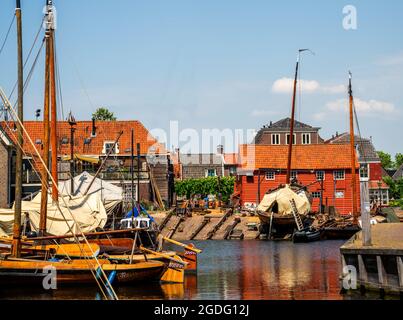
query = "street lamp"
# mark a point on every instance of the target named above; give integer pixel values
(72, 122)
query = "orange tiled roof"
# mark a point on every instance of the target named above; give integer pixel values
(105, 131)
(231, 158)
(304, 157)
(373, 184)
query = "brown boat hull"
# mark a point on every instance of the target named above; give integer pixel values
(33, 273)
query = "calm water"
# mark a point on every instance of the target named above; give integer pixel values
(236, 270)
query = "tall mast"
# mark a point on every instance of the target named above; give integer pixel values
(352, 148)
(16, 247)
(132, 170)
(53, 129)
(46, 127)
(292, 122)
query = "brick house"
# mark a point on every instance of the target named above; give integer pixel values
(263, 167)
(277, 133)
(370, 166)
(92, 141)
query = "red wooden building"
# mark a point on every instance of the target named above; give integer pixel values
(263, 167)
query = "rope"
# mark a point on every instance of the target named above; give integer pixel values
(7, 34)
(28, 56)
(102, 272)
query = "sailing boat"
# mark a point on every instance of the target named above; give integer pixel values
(346, 229)
(286, 207)
(24, 263)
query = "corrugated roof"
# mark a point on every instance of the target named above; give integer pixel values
(304, 157)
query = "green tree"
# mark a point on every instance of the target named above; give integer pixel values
(103, 114)
(386, 160)
(398, 160)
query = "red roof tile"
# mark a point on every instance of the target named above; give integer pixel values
(105, 131)
(231, 158)
(304, 157)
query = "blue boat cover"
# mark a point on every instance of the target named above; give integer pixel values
(136, 213)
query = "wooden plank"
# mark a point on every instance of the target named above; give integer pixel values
(382, 276)
(200, 228)
(362, 270)
(400, 271)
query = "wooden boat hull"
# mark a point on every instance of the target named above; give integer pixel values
(339, 233)
(281, 225)
(76, 272)
(305, 236)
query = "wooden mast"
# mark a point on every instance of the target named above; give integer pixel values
(16, 244)
(46, 128)
(53, 129)
(288, 178)
(353, 155)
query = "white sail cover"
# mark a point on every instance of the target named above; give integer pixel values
(110, 194)
(282, 197)
(89, 213)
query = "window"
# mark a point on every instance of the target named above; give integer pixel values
(320, 175)
(306, 138)
(288, 138)
(364, 172)
(108, 145)
(338, 175)
(339, 194)
(211, 173)
(294, 175)
(232, 171)
(270, 175)
(316, 194)
(275, 138)
(249, 179)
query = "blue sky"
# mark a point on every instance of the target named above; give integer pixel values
(221, 64)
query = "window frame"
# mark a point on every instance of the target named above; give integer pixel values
(338, 178)
(304, 135)
(105, 150)
(324, 175)
(275, 136)
(294, 174)
(294, 140)
(207, 172)
(267, 173)
(361, 177)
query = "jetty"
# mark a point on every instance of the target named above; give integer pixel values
(378, 266)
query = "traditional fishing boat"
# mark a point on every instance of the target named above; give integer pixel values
(346, 228)
(275, 210)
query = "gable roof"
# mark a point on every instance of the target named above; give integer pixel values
(366, 149)
(105, 131)
(284, 125)
(304, 157)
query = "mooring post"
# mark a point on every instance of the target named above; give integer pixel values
(365, 214)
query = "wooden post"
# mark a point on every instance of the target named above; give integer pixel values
(138, 176)
(365, 214)
(53, 130)
(16, 245)
(382, 276)
(362, 270)
(44, 174)
(400, 271)
(353, 154)
(258, 188)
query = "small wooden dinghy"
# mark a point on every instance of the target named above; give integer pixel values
(306, 235)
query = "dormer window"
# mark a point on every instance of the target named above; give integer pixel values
(306, 138)
(108, 145)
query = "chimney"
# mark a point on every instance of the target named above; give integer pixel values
(94, 128)
(220, 149)
(337, 133)
(177, 152)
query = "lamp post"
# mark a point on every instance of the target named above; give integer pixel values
(72, 122)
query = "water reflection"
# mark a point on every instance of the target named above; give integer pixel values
(235, 270)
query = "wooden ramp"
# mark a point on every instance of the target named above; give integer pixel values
(243, 228)
(187, 228)
(223, 231)
(203, 234)
(170, 228)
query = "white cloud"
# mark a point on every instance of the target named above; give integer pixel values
(368, 108)
(285, 85)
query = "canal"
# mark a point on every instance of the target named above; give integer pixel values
(236, 270)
